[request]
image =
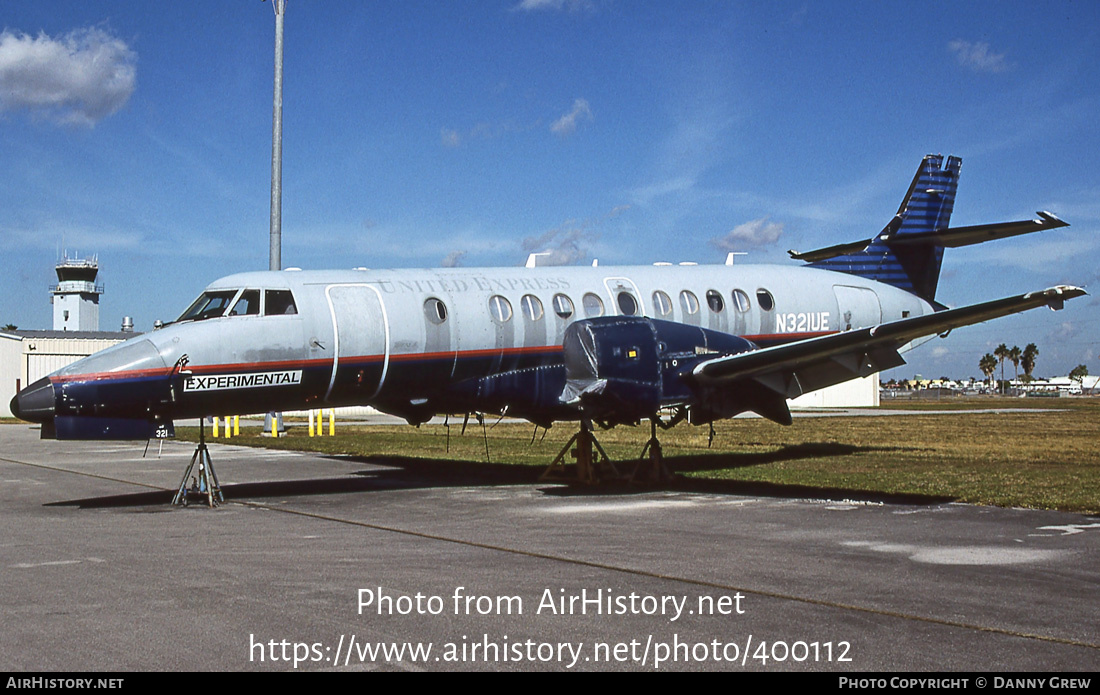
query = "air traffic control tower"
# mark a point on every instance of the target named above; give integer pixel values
(75, 297)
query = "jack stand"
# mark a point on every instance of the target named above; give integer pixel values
(206, 483)
(651, 466)
(593, 464)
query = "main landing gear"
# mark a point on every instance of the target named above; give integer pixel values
(205, 484)
(593, 465)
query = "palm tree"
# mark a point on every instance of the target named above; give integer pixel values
(988, 365)
(1078, 374)
(1014, 356)
(1027, 360)
(1001, 353)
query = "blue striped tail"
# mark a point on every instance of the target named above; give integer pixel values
(888, 258)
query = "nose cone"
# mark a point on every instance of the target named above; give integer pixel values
(35, 403)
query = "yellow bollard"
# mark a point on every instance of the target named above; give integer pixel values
(311, 423)
(332, 422)
(228, 429)
(236, 425)
(215, 427)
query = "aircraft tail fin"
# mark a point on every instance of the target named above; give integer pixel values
(908, 252)
(892, 257)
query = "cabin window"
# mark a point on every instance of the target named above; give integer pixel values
(500, 309)
(279, 303)
(741, 301)
(208, 305)
(435, 310)
(764, 299)
(661, 303)
(563, 306)
(248, 304)
(714, 301)
(593, 305)
(532, 307)
(628, 305)
(689, 302)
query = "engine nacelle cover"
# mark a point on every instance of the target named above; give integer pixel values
(625, 368)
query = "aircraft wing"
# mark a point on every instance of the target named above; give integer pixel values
(806, 365)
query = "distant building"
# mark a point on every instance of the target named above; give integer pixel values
(857, 393)
(27, 356)
(1061, 385)
(75, 297)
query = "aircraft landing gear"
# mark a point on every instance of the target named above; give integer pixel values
(593, 464)
(205, 484)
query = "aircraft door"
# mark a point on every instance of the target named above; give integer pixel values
(858, 307)
(625, 298)
(361, 343)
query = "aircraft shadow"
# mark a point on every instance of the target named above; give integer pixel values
(406, 472)
(791, 452)
(751, 488)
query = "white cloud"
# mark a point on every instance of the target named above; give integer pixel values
(570, 242)
(567, 124)
(757, 233)
(450, 137)
(977, 56)
(644, 195)
(563, 244)
(49, 235)
(77, 79)
(1044, 252)
(1064, 332)
(453, 259)
(483, 131)
(571, 5)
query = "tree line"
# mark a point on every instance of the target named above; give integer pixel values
(1020, 359)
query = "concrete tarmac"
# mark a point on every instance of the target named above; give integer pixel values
(483, 568)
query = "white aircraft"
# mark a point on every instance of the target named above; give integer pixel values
(610, 345)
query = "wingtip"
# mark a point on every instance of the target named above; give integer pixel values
(1070, 291)
(1056, 296)
(1063, 291)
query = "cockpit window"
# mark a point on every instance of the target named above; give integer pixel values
(279, 302)
(248, 304)
(208, 305)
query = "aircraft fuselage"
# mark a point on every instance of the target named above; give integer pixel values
(421, 342)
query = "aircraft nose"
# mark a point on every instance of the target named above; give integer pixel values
(35, 403)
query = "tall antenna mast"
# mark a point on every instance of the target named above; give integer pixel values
(277, 144)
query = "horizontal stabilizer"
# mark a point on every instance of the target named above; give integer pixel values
(829, 251)
(954, 237)
(806, 365)
(951, 237)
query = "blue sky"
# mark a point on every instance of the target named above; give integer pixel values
(419, 134)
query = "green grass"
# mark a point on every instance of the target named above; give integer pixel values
(1043, 458)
